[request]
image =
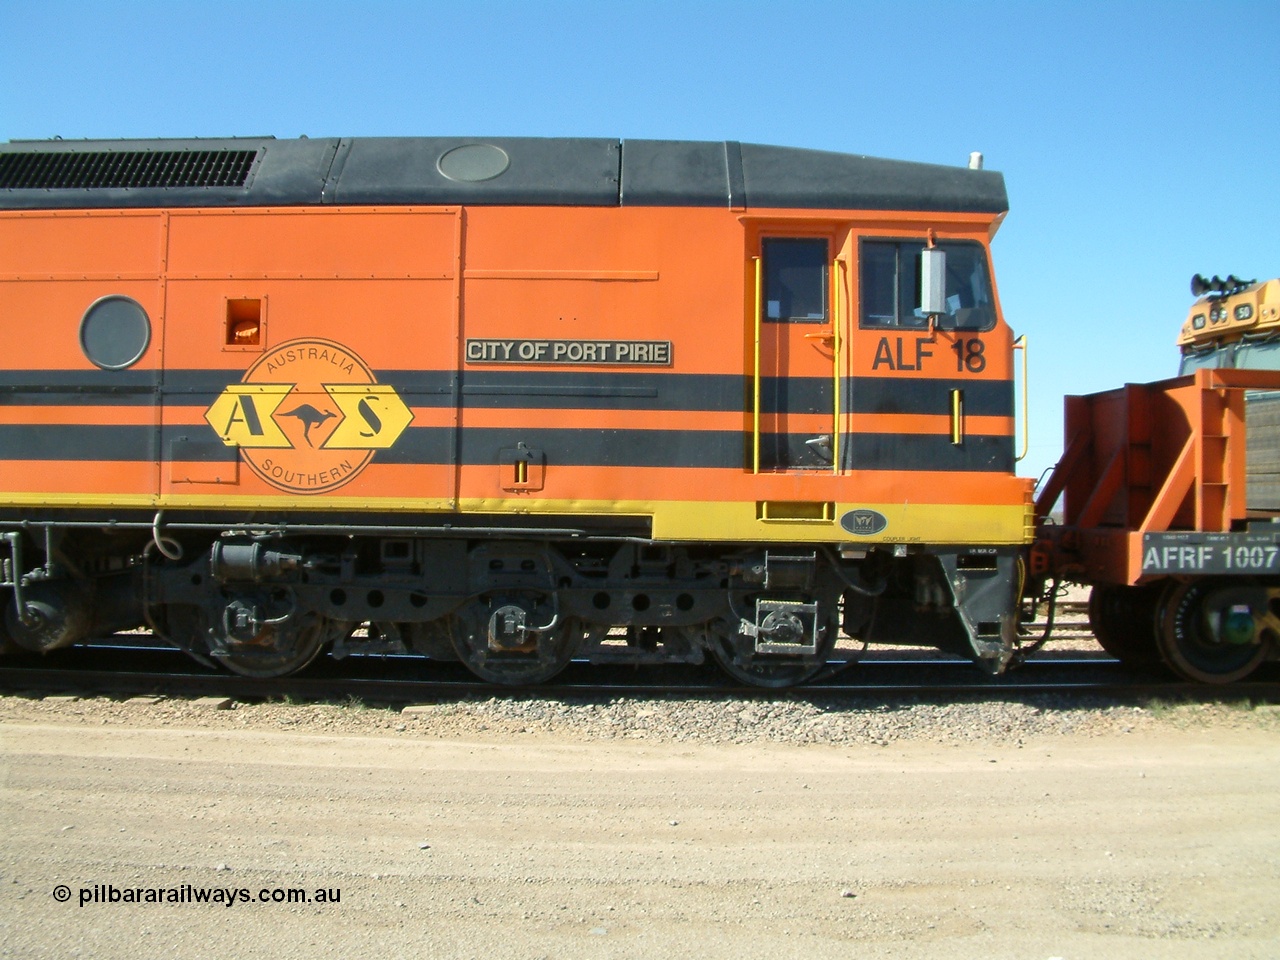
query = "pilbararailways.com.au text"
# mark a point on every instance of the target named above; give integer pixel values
(103, 893)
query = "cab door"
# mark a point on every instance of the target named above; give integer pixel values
(798, 350)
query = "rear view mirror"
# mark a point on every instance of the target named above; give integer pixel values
(933, 281)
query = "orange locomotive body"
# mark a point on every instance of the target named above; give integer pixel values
(494, 400)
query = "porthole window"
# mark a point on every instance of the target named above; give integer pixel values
(115, 332)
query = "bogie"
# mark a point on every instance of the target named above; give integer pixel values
(1124, 620)
(512, 611)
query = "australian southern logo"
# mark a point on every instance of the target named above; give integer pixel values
(308, 416)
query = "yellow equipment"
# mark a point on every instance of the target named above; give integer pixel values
(1234, 323)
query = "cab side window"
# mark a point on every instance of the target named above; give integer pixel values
(890, 284)
(795, 280)
(889, 278)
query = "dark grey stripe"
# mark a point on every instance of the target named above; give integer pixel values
(560, 447)
(78, 381)
(578, 448)
(516, 389)
(911, 452)
(485, 389)
(86, 398)
(61, 442)
(482, 389)
(982, 398)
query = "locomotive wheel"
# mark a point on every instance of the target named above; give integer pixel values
(1123, 620)
(58, 615)
(280, 651)
(540, 660)
(7, 646)
(740, 662)
(1216, 631)
(434, 638)
(736, 655)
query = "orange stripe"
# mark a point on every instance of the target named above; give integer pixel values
(571, 419)
(417, 482)
(657, 483)
(124, 415)
(123, 477)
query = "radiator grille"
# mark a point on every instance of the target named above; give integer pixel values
(119, 169)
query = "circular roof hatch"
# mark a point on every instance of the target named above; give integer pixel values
(473, 162)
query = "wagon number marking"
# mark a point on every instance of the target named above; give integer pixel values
(1251, 558)
(1170, 558)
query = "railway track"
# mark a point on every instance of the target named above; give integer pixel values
(132, 669)
(138, 664)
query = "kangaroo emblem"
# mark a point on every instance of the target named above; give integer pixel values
(323, 385)
(310, 417)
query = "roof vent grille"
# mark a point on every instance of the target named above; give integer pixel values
(125, 169)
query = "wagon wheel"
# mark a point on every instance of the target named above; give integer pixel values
(1123, 620)
(284, 649)
(545, 655)
(1217, 631)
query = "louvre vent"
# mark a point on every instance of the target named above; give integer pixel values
(131, 169)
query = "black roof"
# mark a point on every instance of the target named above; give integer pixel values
(263, 171)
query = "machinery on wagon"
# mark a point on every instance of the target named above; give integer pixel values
(514, 402)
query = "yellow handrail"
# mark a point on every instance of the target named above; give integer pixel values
(957, 417)
(755, 427)
(837, 275)
(1021, 344)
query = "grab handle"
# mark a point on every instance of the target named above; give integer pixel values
(1021, 344)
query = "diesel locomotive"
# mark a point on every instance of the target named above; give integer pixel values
(505, 401)
(1235, 324)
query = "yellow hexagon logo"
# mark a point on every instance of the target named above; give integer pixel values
(308, 416)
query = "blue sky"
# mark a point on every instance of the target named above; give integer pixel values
(1137, 140)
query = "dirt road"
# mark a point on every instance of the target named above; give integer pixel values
(1158, 843)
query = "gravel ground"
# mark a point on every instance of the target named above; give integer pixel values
(689, 829)
(1037, 827)
(794, 719)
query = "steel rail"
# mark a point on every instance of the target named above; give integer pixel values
(371, 682)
